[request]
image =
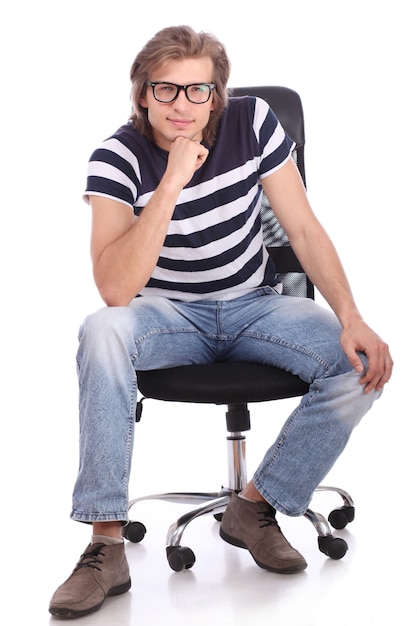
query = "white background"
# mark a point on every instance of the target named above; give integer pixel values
(65, 87)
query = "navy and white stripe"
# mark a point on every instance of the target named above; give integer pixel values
(214, 246)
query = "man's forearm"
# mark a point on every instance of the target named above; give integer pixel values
(126, 264)
(321, 262)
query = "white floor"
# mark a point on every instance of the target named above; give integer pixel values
(374, 583)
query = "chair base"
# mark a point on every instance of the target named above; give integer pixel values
(215, 503)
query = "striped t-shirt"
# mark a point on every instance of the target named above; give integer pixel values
(214, 246)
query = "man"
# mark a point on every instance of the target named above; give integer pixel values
(179, 260)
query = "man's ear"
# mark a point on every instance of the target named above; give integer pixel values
(143, 101)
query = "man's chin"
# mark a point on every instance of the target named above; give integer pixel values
(165, 141)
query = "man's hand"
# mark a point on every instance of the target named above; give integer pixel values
(358, 337)
(185, 158)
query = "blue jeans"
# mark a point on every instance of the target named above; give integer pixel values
(152, 332)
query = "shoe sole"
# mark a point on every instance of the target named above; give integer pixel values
(73, 613)
(289, 569)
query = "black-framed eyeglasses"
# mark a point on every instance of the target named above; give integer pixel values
(197, 93)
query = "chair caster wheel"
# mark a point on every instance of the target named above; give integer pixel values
(134, 531)
(333, 547)
(180, 558)
(341, 517)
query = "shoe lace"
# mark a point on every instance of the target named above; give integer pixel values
(91, 558)
(267, 517)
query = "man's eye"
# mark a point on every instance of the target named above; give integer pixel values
(199, 88)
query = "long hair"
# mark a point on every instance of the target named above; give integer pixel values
(177, 43)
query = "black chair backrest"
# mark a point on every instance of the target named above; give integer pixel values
(287, 106)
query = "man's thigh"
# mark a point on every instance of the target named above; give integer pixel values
(295, 334)
(171, 333)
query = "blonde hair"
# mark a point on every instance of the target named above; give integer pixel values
(176, 43)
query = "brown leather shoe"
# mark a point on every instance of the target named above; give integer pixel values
(252, 525)
(101, 571)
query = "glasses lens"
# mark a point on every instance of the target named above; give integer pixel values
(198, 93)
(165, 92)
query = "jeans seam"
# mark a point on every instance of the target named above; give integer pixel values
(292, 346)
(307, 400)
(164, 331)
(130, 436)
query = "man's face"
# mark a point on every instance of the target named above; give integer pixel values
(180, 118)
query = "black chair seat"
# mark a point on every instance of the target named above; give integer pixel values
(220, 383)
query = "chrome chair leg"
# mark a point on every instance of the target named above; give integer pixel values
(213, 507)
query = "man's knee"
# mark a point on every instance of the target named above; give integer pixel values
(106, 319)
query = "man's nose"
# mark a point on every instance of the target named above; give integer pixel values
(181, 100)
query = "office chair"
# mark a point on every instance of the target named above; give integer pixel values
(238, 384)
